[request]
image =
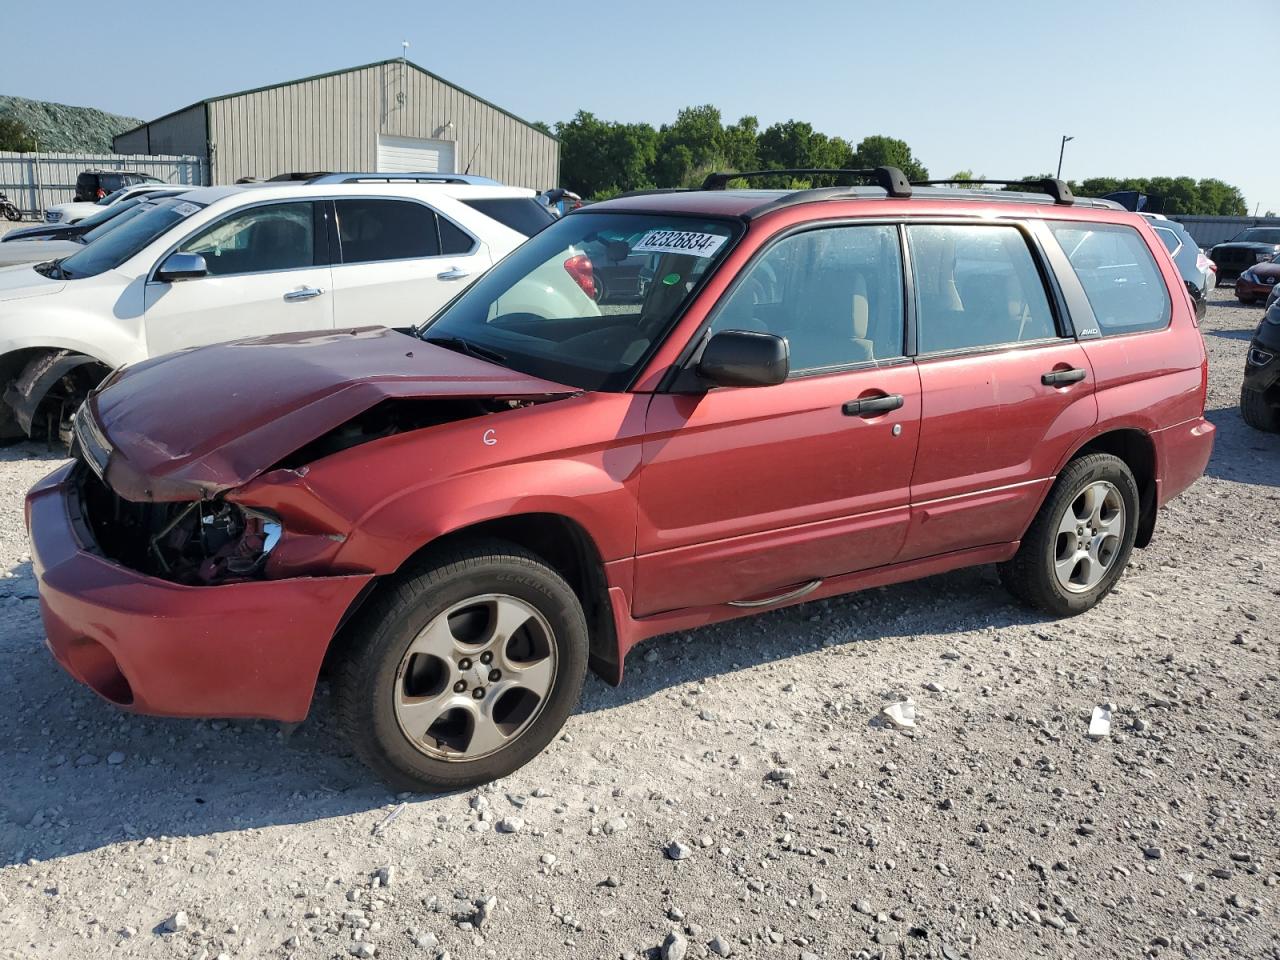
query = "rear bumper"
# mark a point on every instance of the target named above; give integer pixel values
(150, 646)
(1183, 452)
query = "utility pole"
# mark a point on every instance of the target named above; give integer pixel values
(1061, 150)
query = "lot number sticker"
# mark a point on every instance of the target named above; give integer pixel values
(680, 241)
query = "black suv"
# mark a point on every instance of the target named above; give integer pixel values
(1260, 395)
(93, 185)
(1244, 250)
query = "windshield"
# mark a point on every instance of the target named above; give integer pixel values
(1260, 235)
(118, 245)
(102, 216)
(586, 301)
(128, 210)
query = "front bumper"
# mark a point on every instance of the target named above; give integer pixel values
(249, 649)
(1248, 290)
(1262, 362)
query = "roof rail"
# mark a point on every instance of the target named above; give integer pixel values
(892, 179)
(1055, 188)
(406, 177)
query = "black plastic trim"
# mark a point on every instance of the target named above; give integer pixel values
(892, 180)
(1055, 188)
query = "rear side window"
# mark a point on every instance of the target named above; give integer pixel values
(1169, 239)
(374, 230)
(1125, 287)
(453, 239)
(976, 286)
(522, 214)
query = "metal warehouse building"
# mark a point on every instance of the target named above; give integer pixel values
(386, 116)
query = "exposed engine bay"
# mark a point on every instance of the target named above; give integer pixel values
(392, 416)
(201, 542)
(213, 541)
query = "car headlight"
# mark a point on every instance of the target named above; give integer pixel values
(1249, 276)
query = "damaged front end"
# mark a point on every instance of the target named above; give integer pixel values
(204, 542)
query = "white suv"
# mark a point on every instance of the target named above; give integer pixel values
(77, 210)
(221, 263)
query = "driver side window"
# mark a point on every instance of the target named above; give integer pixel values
(279, 236)
(835, 294)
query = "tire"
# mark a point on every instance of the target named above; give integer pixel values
(383, 690)
(13, 213)
(1257, 413)
(1033, 574)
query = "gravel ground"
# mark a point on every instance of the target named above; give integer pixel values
(805, 829)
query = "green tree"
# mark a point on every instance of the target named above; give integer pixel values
(738, 144)
(689, 147)
(881, 151)
(962, 177)
(15, 136)
(599, 157)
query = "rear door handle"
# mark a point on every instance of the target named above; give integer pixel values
(304, 293)
(1060, 378)
(453, 273)
(871, 405)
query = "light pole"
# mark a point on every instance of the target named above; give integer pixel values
(1061, 150)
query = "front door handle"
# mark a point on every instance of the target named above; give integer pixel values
(1060, 378)
(872, 405)
(453, 273)
(302, 293)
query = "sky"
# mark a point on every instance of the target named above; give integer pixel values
(984, 86)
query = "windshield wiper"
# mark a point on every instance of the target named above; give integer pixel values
(458, 345)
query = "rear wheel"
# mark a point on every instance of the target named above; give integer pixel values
(463, 670)
(1257, 412)
(1080, 541)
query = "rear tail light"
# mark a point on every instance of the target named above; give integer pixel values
(579, 267)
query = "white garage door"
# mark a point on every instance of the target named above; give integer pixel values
(411, 155)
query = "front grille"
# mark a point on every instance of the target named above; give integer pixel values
(52, 216)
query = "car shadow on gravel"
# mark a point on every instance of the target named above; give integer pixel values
(80, 774)
(1242, 454)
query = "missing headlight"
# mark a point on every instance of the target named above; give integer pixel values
(200, 543)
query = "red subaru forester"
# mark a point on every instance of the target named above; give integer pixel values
(662, 411)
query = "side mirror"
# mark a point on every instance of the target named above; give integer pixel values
(742, 358)
(182, 266)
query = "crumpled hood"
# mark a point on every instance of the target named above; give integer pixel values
(21, 281)
(207, 420)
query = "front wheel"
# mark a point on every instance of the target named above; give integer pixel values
(1080, 541)
(463, 670)
(1257, 412)
(12, 213)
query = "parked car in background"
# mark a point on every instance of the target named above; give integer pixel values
(459, 518)
(1258, 282)
(46, 249)
(93, 185)
(69, 231)
(72, 213)
(1197, 270)
(1244, 250)
(1260, 394)
(218, 263)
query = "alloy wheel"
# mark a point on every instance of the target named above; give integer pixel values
(475, 677)
(1090, 535)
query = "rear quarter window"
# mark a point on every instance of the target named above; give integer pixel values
(1120, 277)
(521, 214)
